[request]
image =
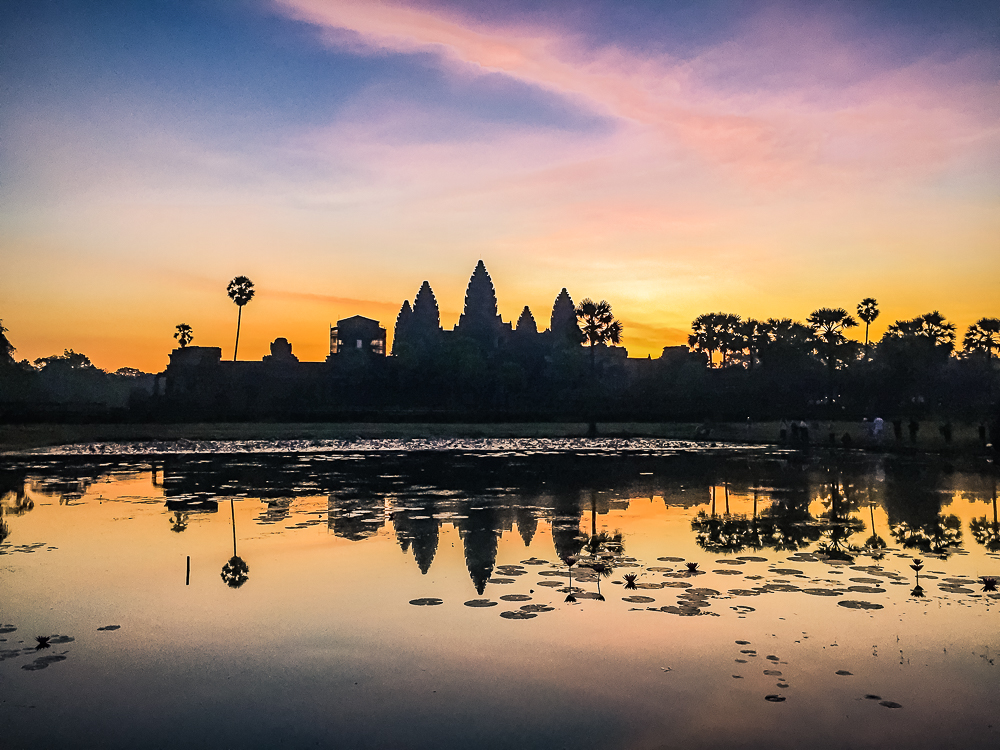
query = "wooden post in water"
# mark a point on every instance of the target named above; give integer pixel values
(187, 578)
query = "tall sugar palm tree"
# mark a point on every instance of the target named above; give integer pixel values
(240, 291)
(598, 325)
(184, 334)
(868, 311)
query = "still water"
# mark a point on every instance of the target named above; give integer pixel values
(496, 594)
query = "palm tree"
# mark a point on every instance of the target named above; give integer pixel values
(184, 334)
(868, 311)
(240, 291)
(598, 324)
(983, 335)
(828, 326)
(716, 332)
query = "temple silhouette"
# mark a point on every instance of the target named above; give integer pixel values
(483, 365)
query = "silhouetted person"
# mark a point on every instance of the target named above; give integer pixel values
(914, 429)
(845, 440)
(804, 432)
(795, 432)
(982, 434)
(897, 429)
(783, 431)
(946, 431)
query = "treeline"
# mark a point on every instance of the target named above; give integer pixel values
(734, 369)
(781, 367)
(65, 386)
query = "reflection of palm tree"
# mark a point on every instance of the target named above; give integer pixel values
(936, 537)
(602, 548)
(839, 529)
(235, 572)
(4, 528)
(985, 532)
(875, 545)
(240, 291)
(179, 522)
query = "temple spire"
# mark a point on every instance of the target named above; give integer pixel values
(480, 319)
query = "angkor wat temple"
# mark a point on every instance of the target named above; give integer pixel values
(483, 366)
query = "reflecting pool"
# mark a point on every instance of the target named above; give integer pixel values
(496, 594)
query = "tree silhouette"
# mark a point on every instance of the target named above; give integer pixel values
(931, 327)
(184, 334)
(828, 326)
(598, 325)
(240, 291)
(868, 311)
(6, 348)
(983, 335)
(751, 336)
(716, 332)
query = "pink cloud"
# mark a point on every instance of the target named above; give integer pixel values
(787, 104)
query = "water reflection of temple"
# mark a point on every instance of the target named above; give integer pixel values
(826, 504)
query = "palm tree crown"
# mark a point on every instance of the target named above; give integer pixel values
(868, 311)
(240, 291)
(184, 334)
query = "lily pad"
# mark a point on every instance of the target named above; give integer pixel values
(517, 615)
(427, 601)
(480, 603)
(854, 604)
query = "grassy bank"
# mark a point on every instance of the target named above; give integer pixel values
(22, 437)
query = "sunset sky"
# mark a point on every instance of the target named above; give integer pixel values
(673, 158)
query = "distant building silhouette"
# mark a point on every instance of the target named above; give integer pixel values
(356, 333)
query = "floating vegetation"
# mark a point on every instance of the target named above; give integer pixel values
(854, 604)
(537, 608)
(515, 598)
(844, 673)
(890, 704)
(638, 599)
(630, 580)
(42, 662)
(478, 603)
(774, 698)
(989, 583)
(42, 641)
(426, 601)
(517, 615)
(110, 627)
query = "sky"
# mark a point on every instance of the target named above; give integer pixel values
(673, 158)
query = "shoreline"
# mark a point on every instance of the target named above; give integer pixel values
(965, 440)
